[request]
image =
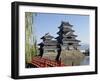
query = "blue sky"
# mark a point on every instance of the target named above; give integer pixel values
(47, 22)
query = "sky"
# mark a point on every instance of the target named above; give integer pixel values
(49, 22)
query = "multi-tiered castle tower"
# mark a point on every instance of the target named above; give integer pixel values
(66, 36)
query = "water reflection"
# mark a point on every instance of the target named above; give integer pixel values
(85, 61)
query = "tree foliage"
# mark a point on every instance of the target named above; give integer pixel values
(30, 46)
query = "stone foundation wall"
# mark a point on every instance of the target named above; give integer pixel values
(68, 57)
(71, 57)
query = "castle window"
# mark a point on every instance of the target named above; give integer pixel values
(70, 43)
(69, 37)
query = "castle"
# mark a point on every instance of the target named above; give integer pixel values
(66, 38)
(69, 46)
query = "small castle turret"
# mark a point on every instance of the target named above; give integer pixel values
(49, 43)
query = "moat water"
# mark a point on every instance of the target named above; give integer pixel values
(86, 61)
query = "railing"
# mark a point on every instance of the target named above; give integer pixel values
(45, 62)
